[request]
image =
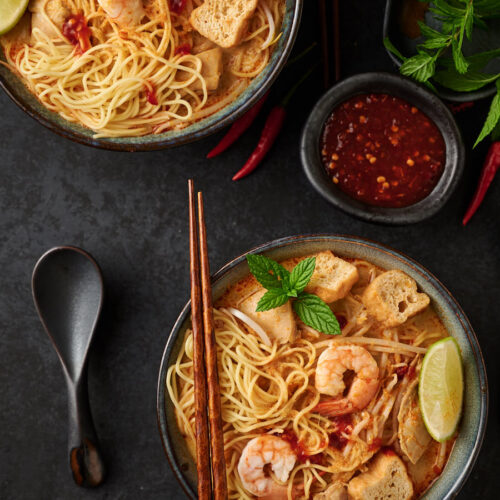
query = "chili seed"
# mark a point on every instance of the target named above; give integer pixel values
(380, 179)
(373, 160)
(414, 110)
(385, 185)
(410, 162)
(335, 156)
(363, 119)
(394, 128)
(427, 157)
(335, 180)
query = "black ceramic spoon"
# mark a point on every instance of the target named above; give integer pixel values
(68, 292)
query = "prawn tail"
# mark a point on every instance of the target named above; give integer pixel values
(334, 407)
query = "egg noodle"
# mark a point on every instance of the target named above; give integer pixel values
(270, 389)
(106, 88)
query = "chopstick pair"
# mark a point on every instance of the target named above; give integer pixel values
(210, 461)
(325, 40)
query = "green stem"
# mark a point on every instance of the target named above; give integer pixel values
(290, 93)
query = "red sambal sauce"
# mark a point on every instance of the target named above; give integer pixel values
(77, 32)
(381, 150)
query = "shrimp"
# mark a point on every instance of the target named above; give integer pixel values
(332, 365)
(125, 13)
(258, 452)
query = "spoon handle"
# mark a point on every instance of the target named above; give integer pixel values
(85, 458)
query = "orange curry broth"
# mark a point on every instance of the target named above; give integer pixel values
(382, 151)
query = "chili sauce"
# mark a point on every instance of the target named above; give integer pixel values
(382, 151)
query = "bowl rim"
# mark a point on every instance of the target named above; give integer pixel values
(406, 89)
(194, 132)
(350, 239)
(448, 94)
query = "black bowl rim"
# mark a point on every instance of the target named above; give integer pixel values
(410, 91)
(171, 141)
(289, 241)
(448, 94)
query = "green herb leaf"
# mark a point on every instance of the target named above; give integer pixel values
(464, 83)
(391, 48)
(433, 38)
(493, 117)
(301, 274)
(275, 297)
(316, 314)
(461, 64)
(268, 272)
(421, 67)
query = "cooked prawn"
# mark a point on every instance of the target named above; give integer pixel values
(332, 365)
(258, 452)
(124, 12)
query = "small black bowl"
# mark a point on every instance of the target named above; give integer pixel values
(411, 92)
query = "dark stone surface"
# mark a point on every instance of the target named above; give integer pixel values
(130, 212)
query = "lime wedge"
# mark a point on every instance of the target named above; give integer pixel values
(440, 389)
(10, 13)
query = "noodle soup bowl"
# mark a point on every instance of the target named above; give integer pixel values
(19, 93)
(475, 408)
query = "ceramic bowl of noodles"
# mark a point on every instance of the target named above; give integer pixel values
(283, 406)
(157, 75)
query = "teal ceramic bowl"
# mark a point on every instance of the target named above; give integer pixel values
(473, 423)
(17, 91)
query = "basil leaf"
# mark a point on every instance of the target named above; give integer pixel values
(464, 83)
(316, 314)
(493, 117)
(267, 272)
(421, 67)
(302, 273)
(275, 297)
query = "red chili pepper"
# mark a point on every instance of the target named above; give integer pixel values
(270, 131)
(457, 108)
(490, 168)
(177, 6)
(238, 127)
(151, 94)
(183, 49)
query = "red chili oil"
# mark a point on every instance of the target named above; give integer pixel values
(343, 425)
(151, 95)
(401, 371)
(342, 320)
(298, 447)
(183, 49)
(382, 151)
(177, 6)
(375, 444)
(77, 32)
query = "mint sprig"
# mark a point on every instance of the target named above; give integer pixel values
(282, 286)
(440, 56)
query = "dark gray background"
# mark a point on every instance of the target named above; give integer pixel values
(130, 212)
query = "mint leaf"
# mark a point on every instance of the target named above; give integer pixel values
(275, 297)
(421, 67)
(301, 274)
(267, 272)
(493, 117)
(433, 38)
(464, 83)
(461, 64)
(316, 314)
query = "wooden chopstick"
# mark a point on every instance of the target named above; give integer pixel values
(214, 400)
(336, 38)
(200, 390)
(324, 44)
